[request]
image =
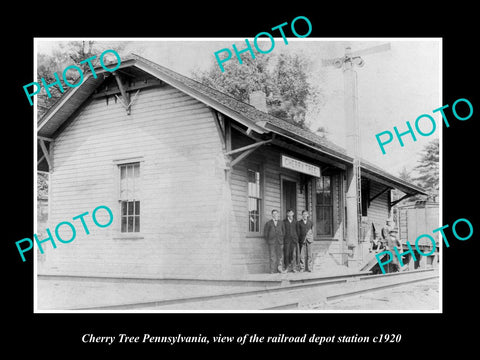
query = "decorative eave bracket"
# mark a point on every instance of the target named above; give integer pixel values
(46, 154)
(393, 203)
(125, 100)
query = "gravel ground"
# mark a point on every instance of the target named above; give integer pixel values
(416, 296)
(68, 294)
(75, 294)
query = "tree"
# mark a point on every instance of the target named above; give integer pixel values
(283, 78)
(239, 80)
(428, 168)
(322, 131)
(80, 50)
(42, 184)
(404, 174)
(289, 96)
(71, 53)
(47, 66)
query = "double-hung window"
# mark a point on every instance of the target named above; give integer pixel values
(365, 190)
(130, 197)
(324, 206)
(254, 200)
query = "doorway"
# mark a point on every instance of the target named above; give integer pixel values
(289, 197)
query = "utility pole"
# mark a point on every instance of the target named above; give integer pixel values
(354, 177)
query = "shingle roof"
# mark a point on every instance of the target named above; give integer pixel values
(244, 110)
(260, 117)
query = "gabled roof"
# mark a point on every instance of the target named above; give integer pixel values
(253, 114)
(70, 101)
(245, 114)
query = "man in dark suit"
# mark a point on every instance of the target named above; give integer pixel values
(290, 243)
(305, 236)
(274, 233)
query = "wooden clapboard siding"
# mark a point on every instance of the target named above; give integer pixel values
(335, 177)
(181, 195)
(377, 211)
(327, 249)
(246, 251)
(337, 209)
(250, 252)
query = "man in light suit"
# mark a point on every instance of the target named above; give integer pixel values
(390, 243)
(305, 236)
(274, 233)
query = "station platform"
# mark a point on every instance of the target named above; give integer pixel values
(70, 292)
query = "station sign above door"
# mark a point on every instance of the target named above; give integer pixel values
(300, 166)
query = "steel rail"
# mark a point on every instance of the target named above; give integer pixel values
(398, 279)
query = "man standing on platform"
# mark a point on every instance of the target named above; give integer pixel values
(387, 228)
(305, 235)
(274, 233)
(391, 242)
(290, 242)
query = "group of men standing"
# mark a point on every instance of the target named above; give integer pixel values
(289, 242)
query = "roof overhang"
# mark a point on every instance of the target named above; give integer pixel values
(73, 98)
(372, 172)
(368, 170)
(202, 98)
(337, 155)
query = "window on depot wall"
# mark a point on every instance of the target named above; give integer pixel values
(254, 200)
(129, 197)
(324, 206)
(365, 191)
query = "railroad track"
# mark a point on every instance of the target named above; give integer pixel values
(293, 295)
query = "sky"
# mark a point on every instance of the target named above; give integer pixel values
(394, 86)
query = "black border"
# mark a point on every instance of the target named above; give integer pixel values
(53, 334)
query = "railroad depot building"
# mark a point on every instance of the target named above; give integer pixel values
(191, 176)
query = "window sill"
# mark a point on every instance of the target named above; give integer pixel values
(128, 237)
(325, 239)
(254, 235)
